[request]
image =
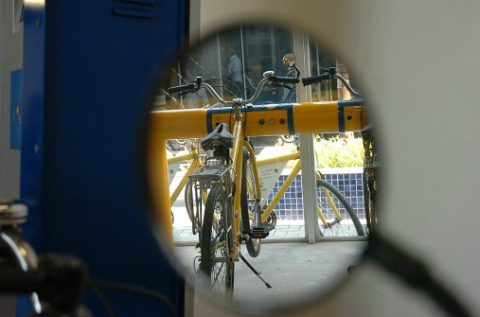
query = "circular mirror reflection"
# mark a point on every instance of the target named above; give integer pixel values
(238, 123)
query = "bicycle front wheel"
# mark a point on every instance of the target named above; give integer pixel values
(216, 261)
(249, 204)
(333, 207)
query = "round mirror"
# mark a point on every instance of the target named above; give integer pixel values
(289, 60)
(243, 220)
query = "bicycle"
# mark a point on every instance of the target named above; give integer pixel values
(227, 222)
(371, 164)
(331, 204)
(194, 159)
(232, 211)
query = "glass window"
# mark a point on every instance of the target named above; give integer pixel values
(233, 62)
(320, 63)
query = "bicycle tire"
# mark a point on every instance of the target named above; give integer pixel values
(216, 262)
(249, 204)
(190, 207)
(346, 205)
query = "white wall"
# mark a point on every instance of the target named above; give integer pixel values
(419, 63)
(10, 59)
(11, 46)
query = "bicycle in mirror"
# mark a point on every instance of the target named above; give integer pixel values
(238, 95)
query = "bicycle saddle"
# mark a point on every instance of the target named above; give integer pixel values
(219, 136)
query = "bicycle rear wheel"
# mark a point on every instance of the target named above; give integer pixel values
(192, 198)
(216, 262)
(249, 204)
(333, 206)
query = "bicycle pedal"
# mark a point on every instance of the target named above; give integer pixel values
(259, 232)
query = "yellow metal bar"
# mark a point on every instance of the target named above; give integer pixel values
(282, 158)
(256, 177)
(281, 191)
(159, 189)
(308, 117)
(319, 206)
(315, 117)
(237, 161)
(330, 202)
(179, 124)
(322, 217)
(180, 158)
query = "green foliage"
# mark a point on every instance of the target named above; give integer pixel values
(339, 152)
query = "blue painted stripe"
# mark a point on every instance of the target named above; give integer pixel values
(209, 121)
(341, 111)
(291, 128)
(354, 102)
(341, 117)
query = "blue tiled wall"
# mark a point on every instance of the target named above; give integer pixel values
(290, 206)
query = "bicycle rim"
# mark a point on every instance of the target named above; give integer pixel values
(217, 243)
(190, 202)
(249, 204)
(329, 198)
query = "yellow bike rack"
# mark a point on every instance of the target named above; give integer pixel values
(271, 119)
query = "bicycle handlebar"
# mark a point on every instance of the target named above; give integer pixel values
(316, 79)
(268, 76)
(181, 88)
(192, 87)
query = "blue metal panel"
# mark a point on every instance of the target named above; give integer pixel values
(32, 128)
(99, 68)
(32, 119)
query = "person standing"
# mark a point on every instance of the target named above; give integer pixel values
(234, 69)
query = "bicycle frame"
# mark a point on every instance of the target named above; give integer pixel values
(237, 156)
(196, 163)
(283, 189)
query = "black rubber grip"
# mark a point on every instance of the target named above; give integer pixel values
(287, 80)
(314, 79)
(181, 88)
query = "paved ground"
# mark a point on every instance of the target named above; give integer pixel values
(296, 270)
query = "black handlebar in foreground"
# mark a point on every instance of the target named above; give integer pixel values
(192, 87)
(58, 280)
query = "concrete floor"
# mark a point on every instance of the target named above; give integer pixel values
(297, 272)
